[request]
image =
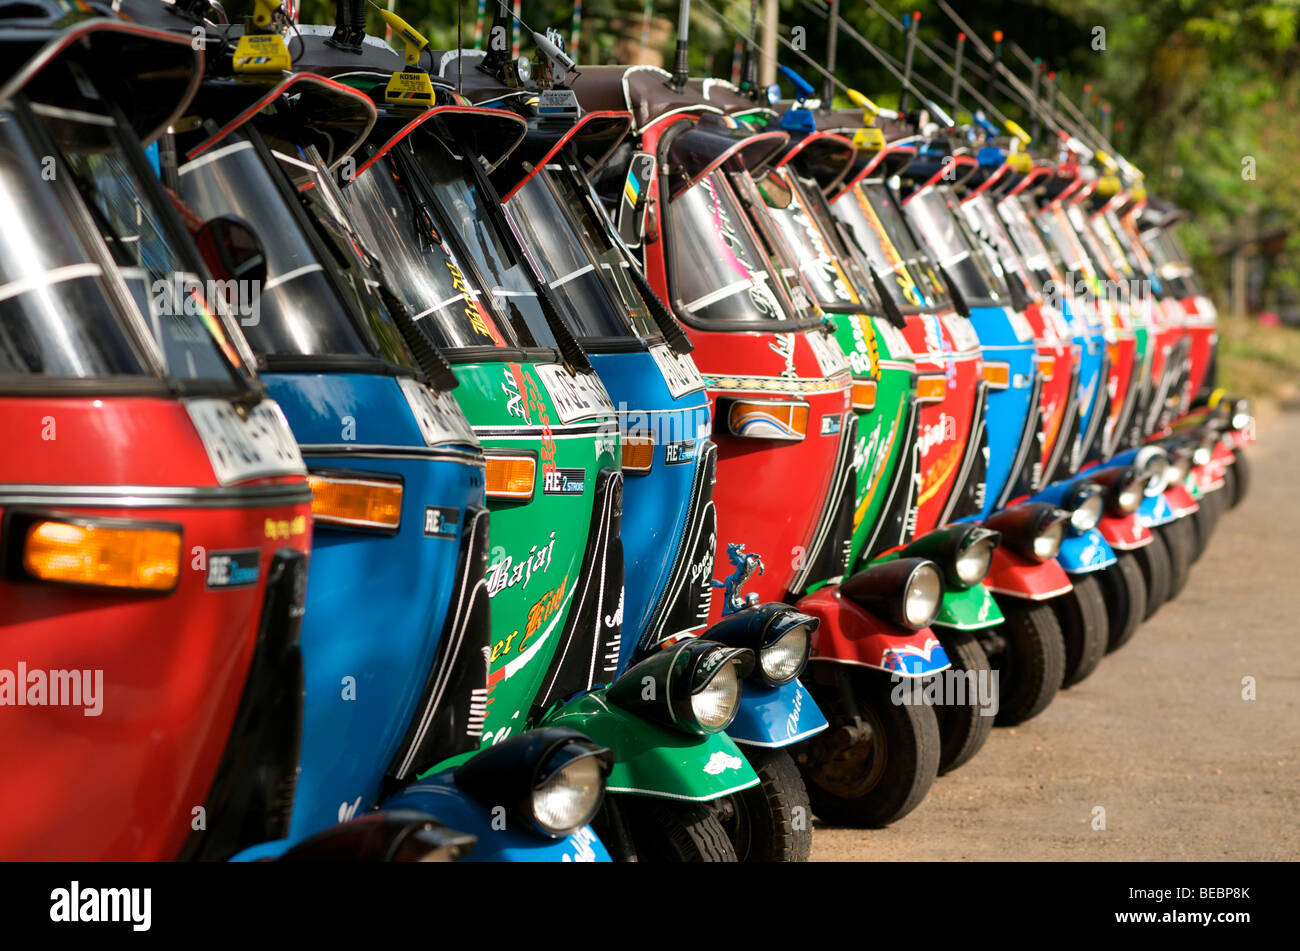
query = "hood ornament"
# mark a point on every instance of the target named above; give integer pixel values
(746, 565)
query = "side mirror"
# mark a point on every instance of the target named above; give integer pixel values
(959, 303)
(232, 250)
(631, 216)
(893, 313)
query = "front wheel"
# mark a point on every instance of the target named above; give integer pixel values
(1126, 596)
(1085, 627)
(1028, 652)
(1179, 537)
(663, 830)
(878, 758)
(1157, 573)
(1241, 478)
(964, 727)
(1207, 519)
(770, 822)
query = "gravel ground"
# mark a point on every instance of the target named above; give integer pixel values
(1159, 736)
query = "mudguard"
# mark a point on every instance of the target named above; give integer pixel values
(853, 636)
(650, 760)
(1020, 577)
(968, 609)
(775, 716)
(1124, 532)
(500, 839)
(1155, 510)
(1180, 501)
(1084, 552)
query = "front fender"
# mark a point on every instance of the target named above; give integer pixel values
(851, 635)
(775, 716)
(1087, 551)
(501, 838)
(1181, 502)
(1155, 510)
(650, 760)
(1124, 532)
(968, 609)
(1020, 577)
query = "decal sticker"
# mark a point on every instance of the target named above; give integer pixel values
(913, 660)
(721, 761)
(233, 569)
(507, 573)
(679, 453)
(565, 482)
(831, 425)
(440, 521)
(783, 347)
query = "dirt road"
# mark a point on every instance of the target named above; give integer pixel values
(1159, 737)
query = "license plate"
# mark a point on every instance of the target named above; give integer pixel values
(239, 448)
(679, 371)
(580, 396)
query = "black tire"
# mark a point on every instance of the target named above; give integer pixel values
(1242, 471)
(1207, 519)
(1085, 627)
(1125, 593)
(770, 822)
(869, 782)
(1179, 537)
(1157, 573)
(963, 730)
(1229, 490)
(664, 830)
(1030, 660)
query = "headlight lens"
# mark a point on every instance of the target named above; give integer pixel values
(922, 595)
(714, 705)
(784, 660)
(1201, 456)
(1241, 414)
(570, 796)
(1087, 513)
(973, 564)
(1129, 496)
(1047, 543)
(1157, 470)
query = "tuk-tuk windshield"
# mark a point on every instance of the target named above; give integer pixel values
(843, 247)
(423, 269)
(1028, 242)
(819, 266)
(56, 319)
(301, 312)
(577, 258)
(162, 278)
(719, 273)
(497, 257)
(956, 252)
(858, 210)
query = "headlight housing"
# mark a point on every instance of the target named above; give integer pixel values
(779, 636)
(551, 779)
(693, 686)
(908, 591)
(1242, 412)
(1154, 461)
(1085, 503)
(1124, 486)
(963, 551)
(1034, 530)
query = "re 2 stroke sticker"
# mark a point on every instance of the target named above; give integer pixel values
(679, 453)
(564, 482)
(830, 425)
(441, 521)
(233, 569)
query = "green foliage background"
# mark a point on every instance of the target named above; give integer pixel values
(1198, 87)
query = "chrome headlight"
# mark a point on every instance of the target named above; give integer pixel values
(779, 635)
(1124, 487)
(1241, 413)
(964, 551)
(1154, 461)
(552, 779)
(692, 686)
(1085, 503)
(1047, 543)
(1201, 456)
(908, 591)
(1034, 529)
(922, 595)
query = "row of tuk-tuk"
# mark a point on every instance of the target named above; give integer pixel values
(825, 439)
